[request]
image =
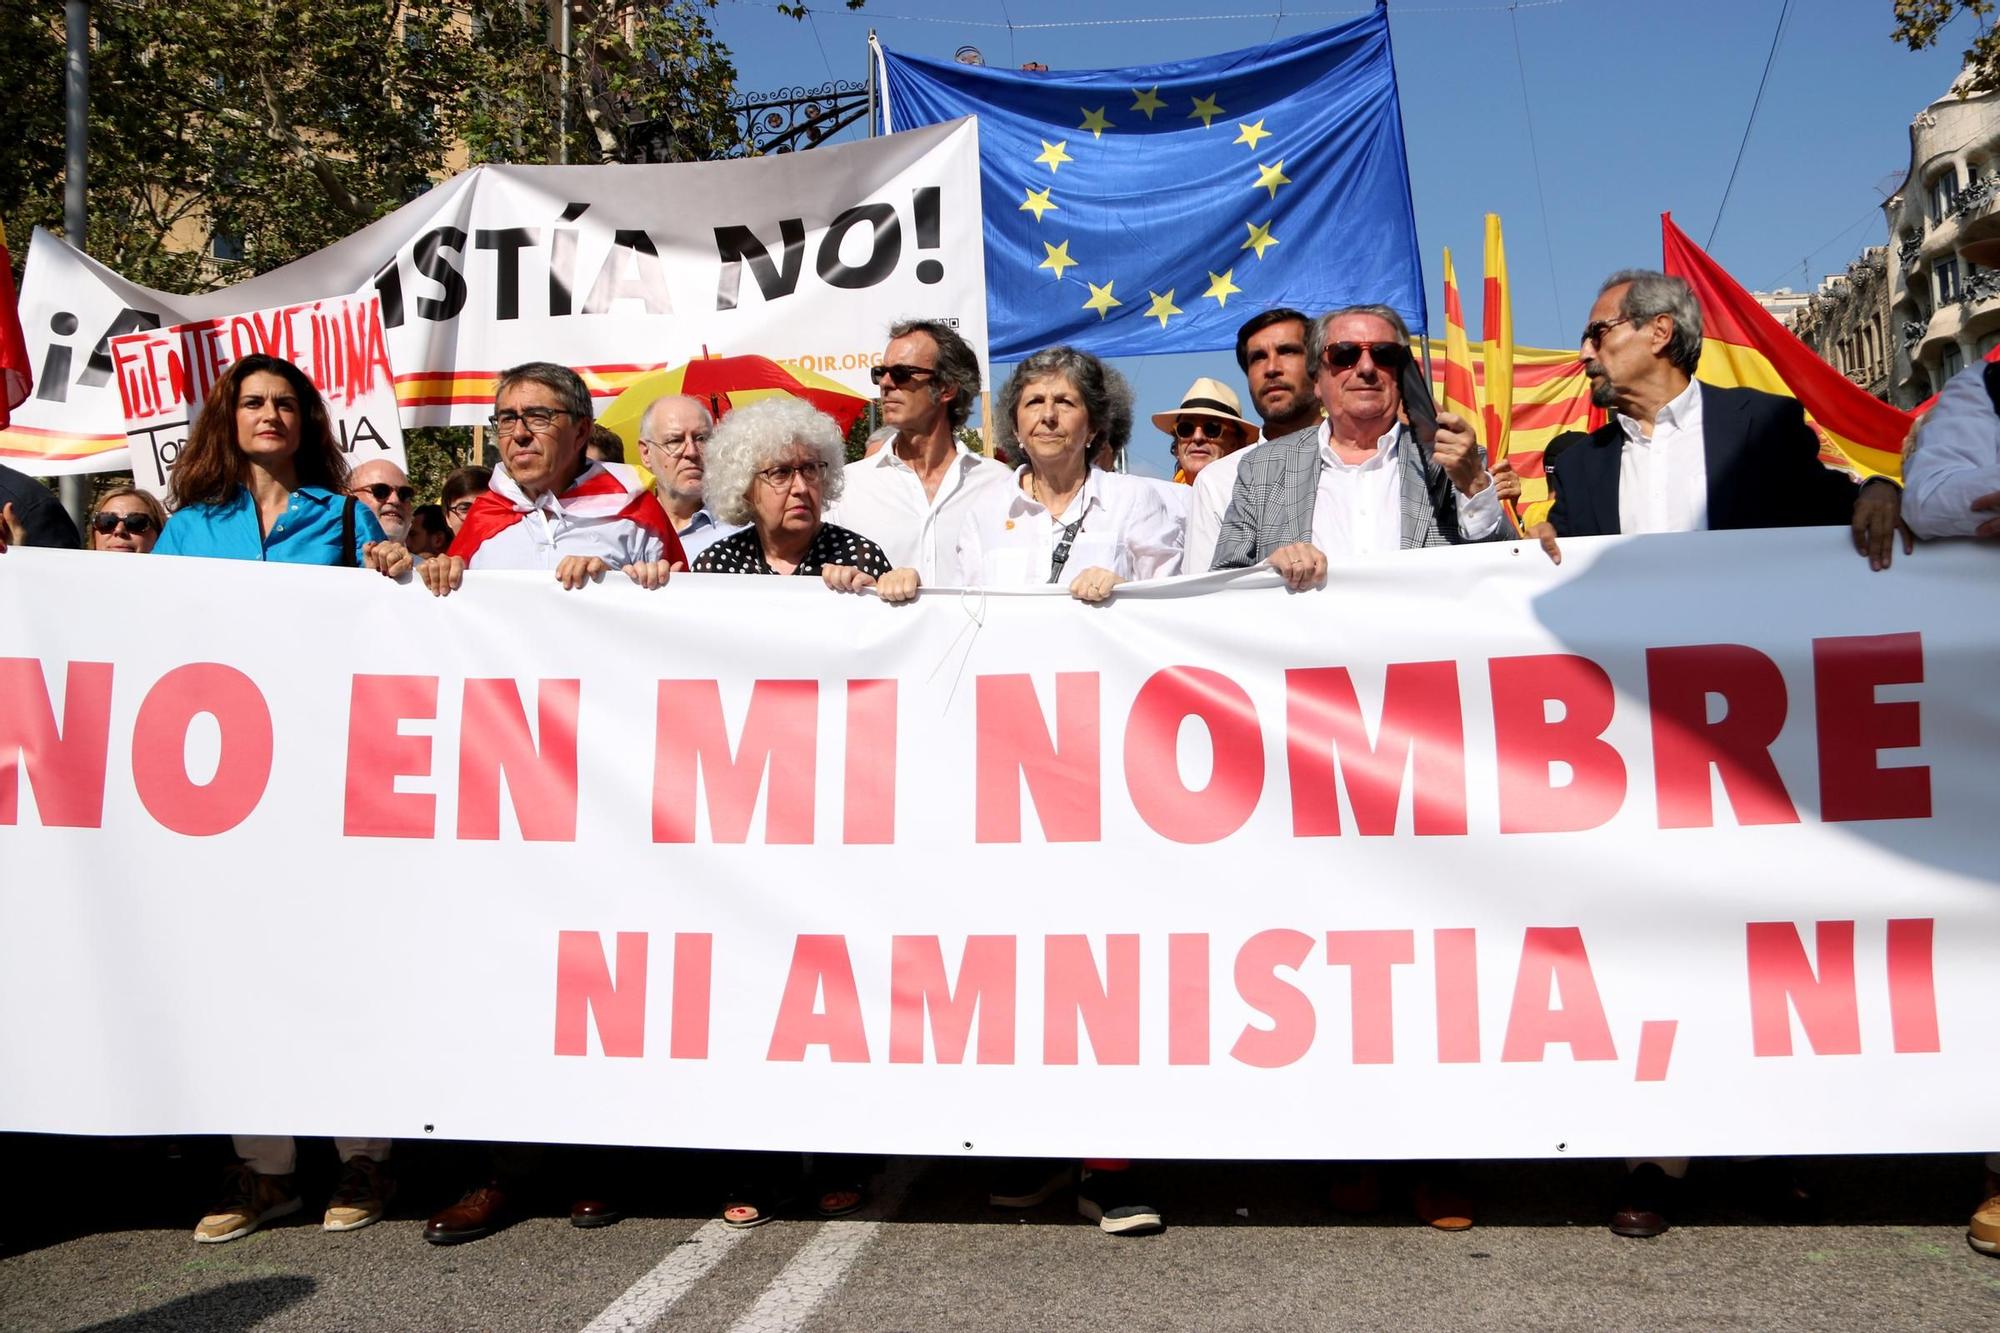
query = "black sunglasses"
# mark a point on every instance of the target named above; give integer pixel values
(136, 524)
(382, 490)
(1594, 331)
(1189, 427)
(901, 376)
(1389, 356)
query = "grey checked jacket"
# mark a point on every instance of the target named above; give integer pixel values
(1278, 481)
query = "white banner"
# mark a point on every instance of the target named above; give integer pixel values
(164, 376)
(614, 270)
(1686, 847)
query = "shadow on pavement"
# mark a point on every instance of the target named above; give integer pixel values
(224, 1309)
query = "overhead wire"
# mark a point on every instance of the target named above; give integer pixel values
(1535, 156)
(1784, 12)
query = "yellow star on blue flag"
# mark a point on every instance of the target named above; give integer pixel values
(1156, 201)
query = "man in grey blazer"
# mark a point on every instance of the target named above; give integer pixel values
(1361, 481)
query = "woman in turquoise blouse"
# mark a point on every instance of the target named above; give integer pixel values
(260, 478)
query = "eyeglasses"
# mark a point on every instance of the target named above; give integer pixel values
(107, 522)
(540, 420)
(461, 509)
(1389, 356)
(1189, 427)
(902, 376)
(780, 477)
(382, 490)
(674, 446)
(1594, 332)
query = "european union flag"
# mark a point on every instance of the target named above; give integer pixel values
(1155, 208)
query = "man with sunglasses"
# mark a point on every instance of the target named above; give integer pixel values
(385, 488)
(1364, 480)
(912, 497)
(1682, 456)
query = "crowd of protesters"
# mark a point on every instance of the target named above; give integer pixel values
(1346, 458)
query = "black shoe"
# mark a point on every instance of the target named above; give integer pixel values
(1115, 1200)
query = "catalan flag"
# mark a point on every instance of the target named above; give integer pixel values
(1744, 347)
(1496, 318)
(16, 374)
(1457, 385)
(1551, 395)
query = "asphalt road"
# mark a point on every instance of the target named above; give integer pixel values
(98, 1239)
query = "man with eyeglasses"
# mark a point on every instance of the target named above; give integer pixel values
(385, 489)
(1682, 456)
(1363, 480)
(912, 498)
(550, 507)
(673, 435)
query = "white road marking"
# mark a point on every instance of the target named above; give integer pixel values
(821, 1265)
(647, 1301)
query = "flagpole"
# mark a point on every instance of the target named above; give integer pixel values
(75, 488)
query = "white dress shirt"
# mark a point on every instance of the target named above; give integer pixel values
(884, 501)
(1209, 501)
(1358, 508)
(1956, 460)
(1663, 479)
(1010, 540)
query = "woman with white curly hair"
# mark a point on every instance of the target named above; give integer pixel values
(775, 465)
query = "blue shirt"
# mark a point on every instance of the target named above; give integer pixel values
(307, 533)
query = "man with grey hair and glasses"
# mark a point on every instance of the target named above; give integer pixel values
(551, 507)
(1682, 456)
(1380, 473)
(673, 444)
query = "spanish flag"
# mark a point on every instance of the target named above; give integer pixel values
(1744, 347)
(16, 376)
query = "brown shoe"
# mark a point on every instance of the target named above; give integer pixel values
(1643, 1203)
(1983, 1232)
(248, 1201)
(588, 1213)
(480, 1213)
(363, 1196)
(1443, 1202)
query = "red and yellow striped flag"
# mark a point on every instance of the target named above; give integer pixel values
(16, 375)
(1496, 319)
(1744, 347)
(1551, 395)
(1458, 386)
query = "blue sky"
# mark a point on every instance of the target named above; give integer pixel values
(1638, 108)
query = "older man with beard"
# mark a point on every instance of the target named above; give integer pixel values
(385, 489)
(673, 438)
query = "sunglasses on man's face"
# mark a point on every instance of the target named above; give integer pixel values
(382, 490)
(1389, 356)
(136, 524)
(901, 376)
(1189, 427)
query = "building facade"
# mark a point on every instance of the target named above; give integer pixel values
(1943, 257)
(1848, 322)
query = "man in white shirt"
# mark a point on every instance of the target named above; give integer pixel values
(550, 507)
(673, 435)
(1271, 352)
(911, 499)
(1951, 468)
(1361, 482)
(1682, 456)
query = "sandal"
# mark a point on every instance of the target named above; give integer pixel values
(743, 1209)
(841, 1198)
